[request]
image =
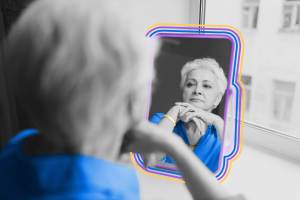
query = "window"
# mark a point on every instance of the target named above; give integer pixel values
(247, 81)
(291, 15)
(272, 105)
(250, 10)
(283, 97)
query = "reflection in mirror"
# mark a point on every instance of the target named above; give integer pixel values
(188, 98)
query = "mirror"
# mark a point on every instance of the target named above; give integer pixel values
(193, 93)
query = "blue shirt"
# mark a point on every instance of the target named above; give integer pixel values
(61, 176)
(207, 149)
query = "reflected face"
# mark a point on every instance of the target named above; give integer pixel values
(201, 89)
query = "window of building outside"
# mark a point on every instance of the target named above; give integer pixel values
(247, 80)
(250, 10)
(291, 15)
(283, 99)
(272, 92)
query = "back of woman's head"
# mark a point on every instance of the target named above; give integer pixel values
(64, 59)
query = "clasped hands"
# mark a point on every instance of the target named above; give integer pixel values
(196, 120)
(152, 140)
(197, 117)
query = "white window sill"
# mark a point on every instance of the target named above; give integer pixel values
(273, 141)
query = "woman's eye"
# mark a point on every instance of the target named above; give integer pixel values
(189, 84)
(207, 86)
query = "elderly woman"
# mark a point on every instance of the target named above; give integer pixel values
(79, 72)
(203, 84)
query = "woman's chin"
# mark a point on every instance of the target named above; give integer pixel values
(198, 105)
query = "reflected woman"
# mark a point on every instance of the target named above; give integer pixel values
(203, 85)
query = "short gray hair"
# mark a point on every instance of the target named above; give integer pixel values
(205, 63)
(62, 56)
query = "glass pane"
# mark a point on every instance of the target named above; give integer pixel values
(288, 108)
(283, 99)
(287, 16)
(245, 20)
(298, 16)
(284, 86)
(255, 17)
(271, 57)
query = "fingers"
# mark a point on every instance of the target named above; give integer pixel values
(188, 113)
(199, 124)
(189, 116)
(184, 110)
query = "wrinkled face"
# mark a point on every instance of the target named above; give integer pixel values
(201, 89)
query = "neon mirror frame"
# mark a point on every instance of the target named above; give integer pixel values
(233, 111)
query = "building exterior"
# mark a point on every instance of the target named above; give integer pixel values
(271, 69)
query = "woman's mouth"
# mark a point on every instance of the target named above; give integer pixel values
(196, 100)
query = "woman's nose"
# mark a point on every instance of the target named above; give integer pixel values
(197, 90)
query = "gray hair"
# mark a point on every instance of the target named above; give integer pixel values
(205, 63)
(63, 56)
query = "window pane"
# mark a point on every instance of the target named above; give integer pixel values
(283, 95)
(298, 16)
(255, 17)
(287, 16)
(246, 13)
(271, 57)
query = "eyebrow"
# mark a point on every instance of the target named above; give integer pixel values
(192, 79)
(207, 81)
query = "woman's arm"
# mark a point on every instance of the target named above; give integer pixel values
(147, 138)
(168, 122)
(201, 183)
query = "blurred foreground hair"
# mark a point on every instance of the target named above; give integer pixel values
(64, 60)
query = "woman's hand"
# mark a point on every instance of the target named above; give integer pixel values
(174, 112)
(150, 140)
(189, 113)
(195, 126)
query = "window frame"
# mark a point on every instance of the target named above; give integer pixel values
(252, 23)
(284, 94)
(269, 140)
(294, 14)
